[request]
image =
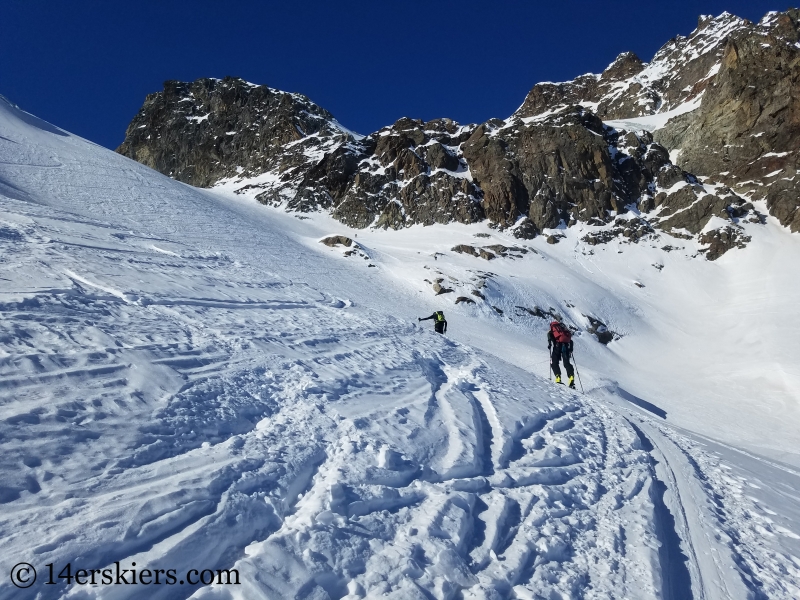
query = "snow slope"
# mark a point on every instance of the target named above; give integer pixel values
(711, 344)
(189, 380)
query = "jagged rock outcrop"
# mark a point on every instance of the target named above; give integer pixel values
(699, 133)
(630, 229)
(679, 72)
(228, 131)
(743, 78)
(746, 132)
(562, 167)
(337, 240)
(212, 129)
(599, 329)
(412, 172)
(721, 240)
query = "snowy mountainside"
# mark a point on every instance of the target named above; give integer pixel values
(685, 142)
(191, 380)
(704, 342)
(677, 74)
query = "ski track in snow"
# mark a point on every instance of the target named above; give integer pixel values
(167, 398)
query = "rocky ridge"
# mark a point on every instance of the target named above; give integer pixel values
(679, 72)
(746, 131)
(682, 145)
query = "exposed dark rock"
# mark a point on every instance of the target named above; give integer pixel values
(525, 230)
(549, 315)
(500, 249)
(633, 230)
(559, 168)
(439, 289)
(721, 240)
(337, 240)
(408, 164)
(694, 217)
(211, 129)
(554, 161)
(535, 311)
(600, 237)
(685, 63)
(465, 249)
(439, 157)
(669, 175)
(624, 66)
(408, 192)
(390, 218)
(597, 328)
(488, 252)
(647, 203)
(690, 208)
(461, 299)
(746, 132)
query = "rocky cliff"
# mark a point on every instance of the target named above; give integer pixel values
(746, 131)
(683, 145)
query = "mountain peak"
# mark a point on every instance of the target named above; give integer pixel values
(196, 131)
(638, 137)
(624, 66)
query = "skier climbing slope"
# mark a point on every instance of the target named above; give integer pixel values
(559, 342)
(169, 401)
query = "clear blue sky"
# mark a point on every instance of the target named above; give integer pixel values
(86, 66)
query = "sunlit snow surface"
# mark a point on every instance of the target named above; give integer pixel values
(190, 380)
(657, 121)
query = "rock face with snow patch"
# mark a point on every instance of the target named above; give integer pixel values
(211, 129)
(285, 150)
(694, 135)
(411, 172)
(562, 167)
(746, 132)
(678, 73)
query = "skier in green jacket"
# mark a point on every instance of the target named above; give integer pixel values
(439, 322)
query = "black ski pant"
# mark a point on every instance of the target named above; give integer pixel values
(438, 326)
(560, 352)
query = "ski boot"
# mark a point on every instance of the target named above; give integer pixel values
(572, 382)
(558, 378)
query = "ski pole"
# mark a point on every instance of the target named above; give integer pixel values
(577, 372)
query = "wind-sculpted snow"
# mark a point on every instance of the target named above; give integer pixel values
(178, 412)
(184, 385)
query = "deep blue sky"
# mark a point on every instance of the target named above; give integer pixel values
(86, 66)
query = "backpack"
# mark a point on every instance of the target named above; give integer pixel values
(439, 316)
(560, 333)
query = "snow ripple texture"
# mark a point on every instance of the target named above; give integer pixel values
(167, 399)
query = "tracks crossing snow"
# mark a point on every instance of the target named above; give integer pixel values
(167, 400)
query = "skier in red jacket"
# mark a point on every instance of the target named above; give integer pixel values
(559, 342)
